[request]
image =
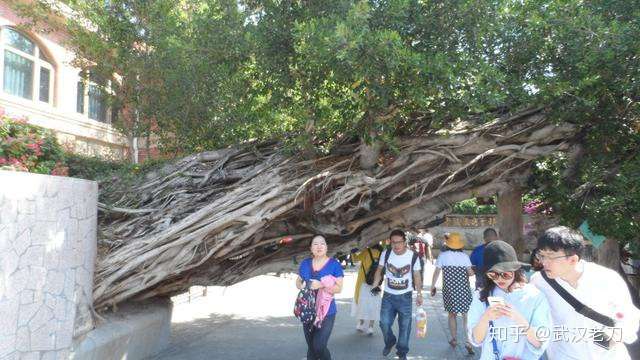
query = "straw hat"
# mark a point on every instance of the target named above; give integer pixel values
(453, 241)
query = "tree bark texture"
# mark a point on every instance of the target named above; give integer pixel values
(219, 217)
(510, 224)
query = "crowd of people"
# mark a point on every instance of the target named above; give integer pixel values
(557, 306)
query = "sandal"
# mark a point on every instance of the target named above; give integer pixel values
(469, 349)
(453, 342)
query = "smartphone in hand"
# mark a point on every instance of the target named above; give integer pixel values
(495, 300)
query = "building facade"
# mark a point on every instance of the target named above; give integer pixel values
(39, 83)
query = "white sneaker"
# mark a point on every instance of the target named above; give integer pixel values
(370, 331)
(360, 328)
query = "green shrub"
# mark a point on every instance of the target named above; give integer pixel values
(92, 168)
(471, 207)
(114, 177)
(25, 147)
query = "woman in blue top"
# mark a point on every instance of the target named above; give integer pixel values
(310, 272)
(508, 318)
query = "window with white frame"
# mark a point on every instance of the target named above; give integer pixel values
(26, 70)
(91, 99)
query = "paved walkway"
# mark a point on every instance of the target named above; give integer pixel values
(253, 320)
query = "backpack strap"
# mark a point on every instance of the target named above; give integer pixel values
(494, 344)
(387, 253)
(307, 284)
(386, 256)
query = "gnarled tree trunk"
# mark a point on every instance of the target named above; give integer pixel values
(509, 220)
(219, 217)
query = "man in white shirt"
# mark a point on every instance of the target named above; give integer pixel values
(402, 270)
(574, 335)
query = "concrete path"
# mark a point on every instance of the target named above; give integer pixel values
(253, 320)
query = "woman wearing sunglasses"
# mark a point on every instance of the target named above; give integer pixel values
(508, 318)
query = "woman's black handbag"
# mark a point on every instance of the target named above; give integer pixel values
(369, 276)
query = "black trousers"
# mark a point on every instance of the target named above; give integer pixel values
(317, 339)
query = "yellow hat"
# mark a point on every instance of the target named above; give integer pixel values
(454, 241)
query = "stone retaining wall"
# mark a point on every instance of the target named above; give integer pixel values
(135, 332)
(47, 255)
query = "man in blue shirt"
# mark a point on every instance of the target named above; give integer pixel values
(489, 235)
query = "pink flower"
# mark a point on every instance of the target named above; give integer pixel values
(36, 148)
(533, 207)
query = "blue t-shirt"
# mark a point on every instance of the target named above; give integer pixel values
(476, 257)
(477, 260)
(332, 267)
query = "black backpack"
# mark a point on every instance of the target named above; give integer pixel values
(413, 263)
(370, 275)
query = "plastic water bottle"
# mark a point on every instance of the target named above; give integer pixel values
(421, 323)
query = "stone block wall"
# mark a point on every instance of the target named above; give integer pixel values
(47, 255)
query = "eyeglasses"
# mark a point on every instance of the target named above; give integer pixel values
(543, 258)
(496, 275)
(397, 242)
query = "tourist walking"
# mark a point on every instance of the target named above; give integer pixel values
(418, 247)
(506, 313)
(323, 274)
(456, 289)
(427, 239)
(488, 236)
(366, 305)
(402, 275)
(591, 306)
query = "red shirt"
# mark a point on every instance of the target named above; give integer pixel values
(419, 248)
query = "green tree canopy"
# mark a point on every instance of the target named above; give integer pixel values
(204, 74)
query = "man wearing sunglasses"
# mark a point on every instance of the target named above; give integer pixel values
(590, 304)
(402, 273)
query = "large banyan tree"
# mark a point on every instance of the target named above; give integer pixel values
(219, 217)
(350, 118)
